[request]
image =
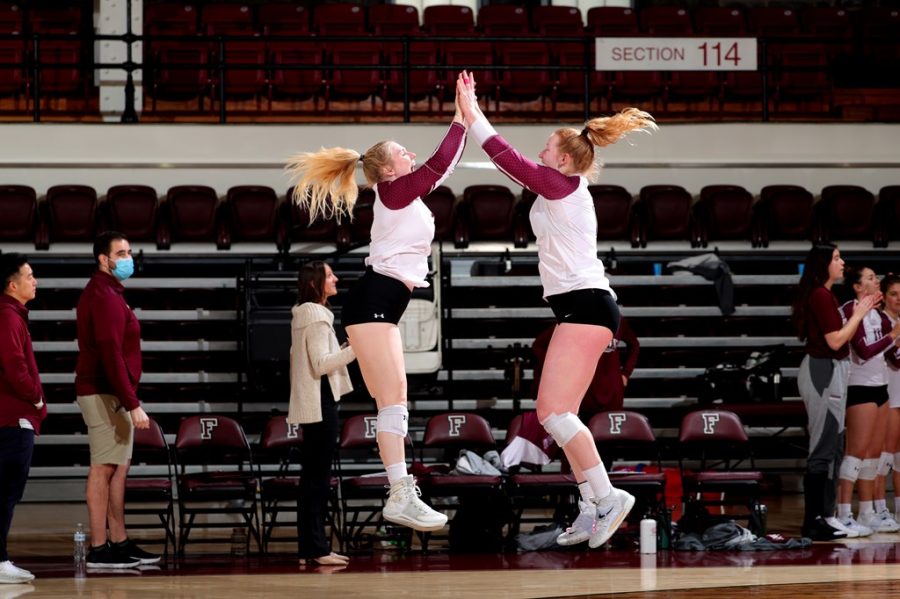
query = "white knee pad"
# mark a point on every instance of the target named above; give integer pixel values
(850, 468)
(869, 469)
(563, 427)
(885, 463)
(394, 420)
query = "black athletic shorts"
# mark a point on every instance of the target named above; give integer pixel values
(375, 298)
(586, 306)
(860, 394)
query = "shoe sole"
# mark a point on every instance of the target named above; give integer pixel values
(414, 524)
(114, 566)
(594, 543)
(568, 541)
(149, 561)
(10, 580)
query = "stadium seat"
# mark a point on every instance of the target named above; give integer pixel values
(134, 211)
(523, 85)
(252, 211)
(772, 21)
(717, 439)
(487, 213)
(666, 21)
(786, 213)
(664, 213)
(297, 83)
(152, 495)
(888, 214)
(70, 213)
(393, 19)
(459, 54)
(284, 19)
(557, 21)
(215, 466)
(497, 20)
(227, 19)
(845, 212)
(13, 80)
(447, 20)
(613, 207)
(612, 21)
(423, 83)
(18, 213)
(12, 16)
(339, 19)
(720, 21)
(725, 212)
(294, 225)
(353, 84)
(194, 213)
(356, 231)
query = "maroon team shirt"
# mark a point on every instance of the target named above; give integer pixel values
(823, 317)
(109, 342)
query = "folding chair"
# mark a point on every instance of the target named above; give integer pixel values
(215, 476)
(151, 449)
(717, 438)
(282, 443)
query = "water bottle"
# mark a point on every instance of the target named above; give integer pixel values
(648, 535)
(78, 553)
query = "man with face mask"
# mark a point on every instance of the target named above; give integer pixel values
(106, 381)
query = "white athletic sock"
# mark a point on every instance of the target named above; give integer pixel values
(880, 505)
(844, 510)
(395, 472)
(866, 507)
(599, 480)
(587, 493)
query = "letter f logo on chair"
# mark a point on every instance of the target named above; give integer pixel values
(709, 423)
(455, 422)
(615, 422)
(206, 427)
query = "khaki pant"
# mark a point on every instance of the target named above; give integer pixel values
(110, 431)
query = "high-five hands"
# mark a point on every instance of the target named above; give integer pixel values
(467, 101)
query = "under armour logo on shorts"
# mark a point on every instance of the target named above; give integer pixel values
(379, 315)
(206, 427)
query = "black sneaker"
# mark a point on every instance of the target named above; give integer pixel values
(130, 548)
(109, 556)
(820, 530)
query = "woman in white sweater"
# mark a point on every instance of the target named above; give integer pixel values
(318, 380)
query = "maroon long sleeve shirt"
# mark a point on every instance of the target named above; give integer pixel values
(20, 384)
(109, 342)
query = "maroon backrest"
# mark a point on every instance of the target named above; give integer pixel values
(458, 430)
(192, 209)
(359, 431)
(393, 19)
(11, 18)
(441, 202)
(18, 212)
(787, 211)
(772, 21)
(612, 205)
(71, 212)
(284, 19)
(720, 20)
(889, 211)
(704, 426)
(444, 19)
(621, 426)
(489, 211)
(666, 21)
(846, 212)
(667, 211)
(727, 209)
(12, 79)
(612, 21)
(150, 439)
(524, 84)
(212, 433)
(339, 19)
(503, 19)
(227, 19)
(279, 434)
(557, 21)
(253, 210)
(133, 210)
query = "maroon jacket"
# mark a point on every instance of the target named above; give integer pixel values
(20, 384)
(109, 342)
(606, 391)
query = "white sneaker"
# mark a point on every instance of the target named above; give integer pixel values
(610, 513)
(404, 507)
(580, 531)
(851, 524)
(879, 522)
(12, 574)
(837, 524)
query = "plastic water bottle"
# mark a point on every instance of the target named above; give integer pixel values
(648, 535)
(79, 551)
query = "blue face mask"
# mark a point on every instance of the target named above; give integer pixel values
(123, 269)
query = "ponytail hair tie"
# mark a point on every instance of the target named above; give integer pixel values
(585, 132)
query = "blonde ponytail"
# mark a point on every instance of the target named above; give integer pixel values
(601, 131)
(324, 182)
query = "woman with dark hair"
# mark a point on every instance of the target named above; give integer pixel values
(575, 285)
(867, 411)
(890, 289)
(822, 381)
(318, 380)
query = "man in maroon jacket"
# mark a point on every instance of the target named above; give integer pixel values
(106, 381)
(22, 406)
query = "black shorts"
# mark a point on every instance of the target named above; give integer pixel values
(375, 298)
(859, 394)
(586, 306)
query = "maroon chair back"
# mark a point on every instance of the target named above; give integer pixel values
(788, 211)
(18, 212)
(666, 212)
(442, 202)
(444, 19)
(339, 19)
(458, 430)
(557, 21)
(359, 432)
(612, 21)
(705, 426)
(846, 212)
(72, 212)
(727, 211)
(253, 210)
(393, 19)
(280, 435)
(212, 434)
(720, 20)
(612, 205)
(489, 211)
(503, 20)
(192, 209)
(624, 425)
(133, 210)
(284, 19)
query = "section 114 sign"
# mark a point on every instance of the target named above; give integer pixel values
(676, 54)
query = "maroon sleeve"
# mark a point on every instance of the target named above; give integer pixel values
(867, 351)
(824, 311)
(626, 334)
(893, 356)
(14, 364)
(401, 192)
(542, 180)
(109, 333)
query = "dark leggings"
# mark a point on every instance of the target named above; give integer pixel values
(16, 447)
(319, 442)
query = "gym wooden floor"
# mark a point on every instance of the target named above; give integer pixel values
(41, 541)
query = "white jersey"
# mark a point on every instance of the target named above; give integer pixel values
(893, 372)
(868, 367)
(401, 241)
(566, 232)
